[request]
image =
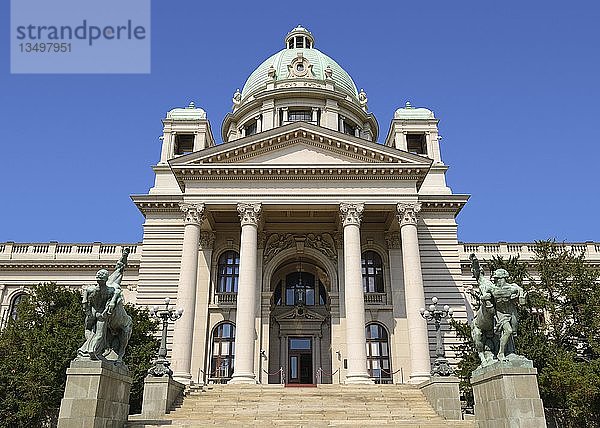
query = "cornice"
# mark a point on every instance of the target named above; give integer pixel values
(300, 172)
(445, 203)
(157, 203)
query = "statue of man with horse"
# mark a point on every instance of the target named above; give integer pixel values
(107, 325)
(496, 320)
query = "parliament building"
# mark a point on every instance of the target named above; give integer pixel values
(302, 247)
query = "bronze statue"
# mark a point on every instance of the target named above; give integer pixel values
(107, 325)
(496, 320)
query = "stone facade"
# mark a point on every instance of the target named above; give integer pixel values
(300, 225)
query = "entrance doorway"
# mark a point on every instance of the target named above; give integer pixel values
(300, 364)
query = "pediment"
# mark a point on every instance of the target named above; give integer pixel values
(300, 312)
(300, 144)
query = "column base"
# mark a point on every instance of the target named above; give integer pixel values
(359, 379)
(417, 378)
(246, 379)
(184, 378)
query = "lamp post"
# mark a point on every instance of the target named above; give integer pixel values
(161, 364)
(440, 365)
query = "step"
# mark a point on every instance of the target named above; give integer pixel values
(323, 406)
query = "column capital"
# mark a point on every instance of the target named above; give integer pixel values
(194, 213)
(207, 240)
(351, 213)
(393, 240)
(249, 213)
(407, 213)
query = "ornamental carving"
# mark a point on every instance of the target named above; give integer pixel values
(193, 213)
(393, 240)
(207, 240)
(276, 243)
(351, 213)
(249, 213)
(323, 243)
(300, 67)
(407, 213)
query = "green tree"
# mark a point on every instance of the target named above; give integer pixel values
(37, 347)
(559, 329)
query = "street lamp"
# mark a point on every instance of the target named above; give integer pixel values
(161, 364)
(440, 365)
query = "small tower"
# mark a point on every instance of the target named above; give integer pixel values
(415, 130)
(185, 130)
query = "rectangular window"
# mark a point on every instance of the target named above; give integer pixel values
(300, 115)
(299, 344)
(348, 128)
(251, 129)
(184, 144)
(416, 143)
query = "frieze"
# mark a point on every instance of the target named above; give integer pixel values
(276, 243)
(323, 243)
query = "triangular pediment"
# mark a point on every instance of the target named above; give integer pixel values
(300, 144)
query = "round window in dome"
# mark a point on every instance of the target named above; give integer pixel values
(300, 67)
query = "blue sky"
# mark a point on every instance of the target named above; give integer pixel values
(515, 85)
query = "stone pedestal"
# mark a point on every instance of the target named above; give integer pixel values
(443, 394)
(507, 397)
(159, 395)
(96, 395)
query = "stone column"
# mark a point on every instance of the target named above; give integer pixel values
(181, 355)
(420, 366)
(356, 339)
(258, 124)
(207, 240)
(285, 115)
(246, 298)
(315, 117)
(399, 340)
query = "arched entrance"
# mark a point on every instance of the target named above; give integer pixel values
(300, 322)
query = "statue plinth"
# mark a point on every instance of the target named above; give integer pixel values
(508, 391)
(96, 394)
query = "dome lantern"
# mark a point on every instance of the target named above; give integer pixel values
(299, 37)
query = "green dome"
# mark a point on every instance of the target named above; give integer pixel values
(280, 61)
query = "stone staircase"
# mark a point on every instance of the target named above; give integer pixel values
(322, 406)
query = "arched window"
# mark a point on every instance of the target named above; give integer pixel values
(378, 353)
(372, 272)
(14, 304)
(223, 352)
(228, 272)
(300, 287)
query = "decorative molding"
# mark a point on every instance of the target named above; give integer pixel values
(323, 243)
(249, 213)
(407, 213)
(193, 213)
(207, 240)
(262, 240)
(351, 213)
(338, 238)
(393, 240)
(276, 243)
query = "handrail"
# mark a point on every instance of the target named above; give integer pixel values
(281, 375)
(210, 375)
(321, 372)
(392, 374)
